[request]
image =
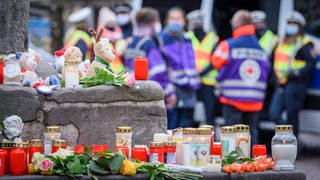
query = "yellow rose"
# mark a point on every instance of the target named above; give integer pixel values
(129, 168)
(31, 169)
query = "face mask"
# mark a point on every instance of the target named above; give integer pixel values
(157, 27)
(292, 29)
(123, 19)
(174, 27)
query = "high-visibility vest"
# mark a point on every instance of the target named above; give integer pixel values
(203, 52)
(117, 64)
(81, 35)
(284, 58)
(268, 41)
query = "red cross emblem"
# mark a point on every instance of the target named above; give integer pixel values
(250, 70)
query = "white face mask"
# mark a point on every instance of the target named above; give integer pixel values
(123, 19)
(292, 29)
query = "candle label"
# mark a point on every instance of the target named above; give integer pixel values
(153, 157)
(225, 147)
(71, 79)
(203, 151)
(193, 155)
(170, 158)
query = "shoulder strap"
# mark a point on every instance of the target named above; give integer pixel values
(161, 49)
(141, 42)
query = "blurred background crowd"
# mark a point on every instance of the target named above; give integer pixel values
(187, 45)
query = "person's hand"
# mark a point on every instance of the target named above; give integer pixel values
(171, 101)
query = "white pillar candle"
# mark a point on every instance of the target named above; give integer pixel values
(284, 156)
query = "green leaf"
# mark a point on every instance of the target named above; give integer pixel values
(115, 163)
(97, 169)
(74, 166)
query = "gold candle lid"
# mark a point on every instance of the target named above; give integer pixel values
(189, 131)
(156, 144)
(53, 129)
(35, 143)
(6, 144)
(59, 142)
(228, 129)
(21, 145)
(284, 128)
(170, 143)
(207, 126)
(123, 129)
(177, 130)
(205, 131)
(242, 128)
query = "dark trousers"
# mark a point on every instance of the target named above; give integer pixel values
(290, 98)
(180, 117)
(233, 116)
(206, 95)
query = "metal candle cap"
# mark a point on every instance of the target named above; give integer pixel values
(21, 145)
(6, 144)
(170, 143)
(228, 129)
(205, 131)
(284, 128)
(156, 144)
(189, 130)
(35, 143)
(123, 129)
(53, 129)
(242, 128)
(207, 126)
(59, 142)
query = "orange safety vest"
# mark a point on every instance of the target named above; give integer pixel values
(284, 58)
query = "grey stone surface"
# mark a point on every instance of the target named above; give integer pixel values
(21, 101)
(44, 69)
(89, 115)
(14, 17)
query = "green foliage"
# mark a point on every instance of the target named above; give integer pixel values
(104, 78)
(235, 157)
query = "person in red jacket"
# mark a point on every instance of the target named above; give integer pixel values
(243, 70)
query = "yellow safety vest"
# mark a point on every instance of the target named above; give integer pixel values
(203, 52)
(268, 41)
(80, 34)
(117, 64)
(284, 59)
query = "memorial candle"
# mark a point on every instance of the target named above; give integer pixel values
(18, 159)
(35, 145)
(99, 148)
(2, 161)
(78, 149)
(141, 68)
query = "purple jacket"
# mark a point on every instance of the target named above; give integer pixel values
(181, 61)
(147, 47)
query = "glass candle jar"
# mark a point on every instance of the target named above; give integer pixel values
(284, 148)
(227, 140)
(124, 137)
(216, 149)
(170, 152)
(18, 159)
(203, 146)
(35, 145)
(243, 140)
(12, 71)
(259, 150)
(141, 68)
(124, 149)
(99, 148)
(140, 153)
(3, 156)
(160, 137)
(7, 146)
(177, 136)
(211, 136)
(57, 144)
(52, 132)
(189, 148)
(1, 70)
(156, 152)
(214, 164)
(71, 73)
(78, 149)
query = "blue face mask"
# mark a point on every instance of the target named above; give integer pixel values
(292, 29)
(174, 27)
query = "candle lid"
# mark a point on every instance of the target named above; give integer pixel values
(21, 145)
(177, 130)
(205, 131)
(156, 144)
(242, 128)
(170, 143)
(59, 142)
(123, 129)
(207, 126)
(228, 129)
(53, 129)
(6, 144)
(36, 143)
(189, 130)
(284, 128)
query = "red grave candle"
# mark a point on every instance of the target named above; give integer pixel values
(141, 68)
(259, 150)
(78, 149)
(216, 148)
(35, 145)
(6, 147)
(156, 152)
(3, 156)
(1, 71)
(124, 149)
(57, 144)
(140, 153)
(99, 148)
(18, 159)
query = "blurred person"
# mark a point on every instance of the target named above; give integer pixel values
(80, 37)
(243, 71)
(293, 66)
(144, 44)
(107, 21)
(268, 41)
(182, 69)
(203, 44)
(123, 13)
